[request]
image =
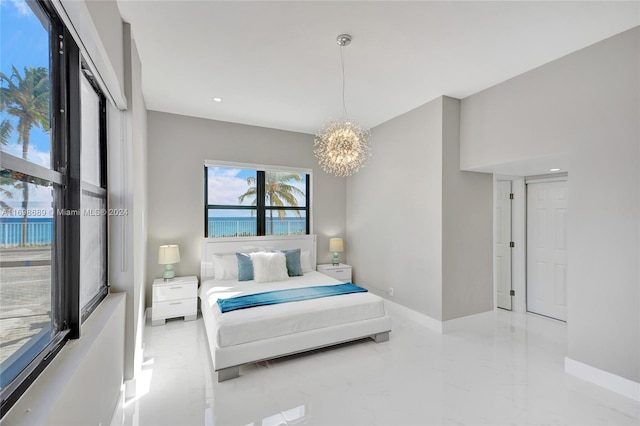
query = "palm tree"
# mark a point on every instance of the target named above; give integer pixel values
(26, 98)
(278, 192)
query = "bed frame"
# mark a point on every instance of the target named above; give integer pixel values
(227, 361)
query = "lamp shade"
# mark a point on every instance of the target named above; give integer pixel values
(336, 245)
(168, 254)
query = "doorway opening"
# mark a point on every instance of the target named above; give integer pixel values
(546, 276)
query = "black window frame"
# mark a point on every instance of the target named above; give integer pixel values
(261, 208)
(66, 312)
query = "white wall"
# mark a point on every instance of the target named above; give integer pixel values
(77, 387)
(178, 147)
(105, 17)
(586, 105)
(98, 25)
(140, 212)
(416, 223)
(127, 191)
(100, 30)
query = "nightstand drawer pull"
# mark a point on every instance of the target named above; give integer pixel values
(337, 271)
(175, 288)
(176, 303)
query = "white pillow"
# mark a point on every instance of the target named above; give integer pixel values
(225, 266)
(269, 267)
(305, 261)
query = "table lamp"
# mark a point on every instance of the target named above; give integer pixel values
(336, 245)
(168, 255)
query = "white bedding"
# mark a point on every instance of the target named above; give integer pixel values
(264, 322)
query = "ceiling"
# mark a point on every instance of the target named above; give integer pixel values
(277, 64)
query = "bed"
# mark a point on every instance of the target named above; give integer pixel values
(265, 332)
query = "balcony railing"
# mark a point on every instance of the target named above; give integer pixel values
(38, 234)
(247, 227)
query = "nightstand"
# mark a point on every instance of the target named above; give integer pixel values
(340, 272)
(174, 298)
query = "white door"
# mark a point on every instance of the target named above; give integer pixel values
(502, 243)
(547, 204)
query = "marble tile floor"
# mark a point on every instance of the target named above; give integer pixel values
(507, 370)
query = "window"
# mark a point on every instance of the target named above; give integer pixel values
(93, 198)
(46, 121)
(248, 201)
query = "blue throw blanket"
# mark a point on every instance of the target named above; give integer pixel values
(284, 296)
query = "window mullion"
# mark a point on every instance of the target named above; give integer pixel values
(260, 203)
(73, 192)
(308, 202)
(206, 202)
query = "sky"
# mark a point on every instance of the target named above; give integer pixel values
(24, 42)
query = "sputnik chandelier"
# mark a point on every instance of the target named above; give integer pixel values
(342, 146)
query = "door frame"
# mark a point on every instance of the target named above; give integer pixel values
(518, 236)
(499, 199)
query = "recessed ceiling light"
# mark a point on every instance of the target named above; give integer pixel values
(217, 99)
(554, 170)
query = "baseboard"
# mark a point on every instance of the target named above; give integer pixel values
(442, 327)
(397, 310)
(130, 389)
(603, 378)
(474, 320)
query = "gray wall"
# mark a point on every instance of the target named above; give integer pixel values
(394, 211)
(178, 147)
(467, 227)
(408, 220)
(587, 105)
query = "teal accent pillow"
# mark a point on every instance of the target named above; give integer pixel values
(294, 269)
(245, 267)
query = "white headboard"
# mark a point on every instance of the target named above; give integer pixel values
(211, 246)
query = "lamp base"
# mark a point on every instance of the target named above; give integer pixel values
(335, 261)
(169, 274)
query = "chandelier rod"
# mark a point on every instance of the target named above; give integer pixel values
(343, 40)
(344, 104)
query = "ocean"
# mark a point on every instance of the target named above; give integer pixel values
(40, 229)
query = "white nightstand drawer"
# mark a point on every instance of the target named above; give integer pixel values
(174, 291)
(340, 272)
(175, 308)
